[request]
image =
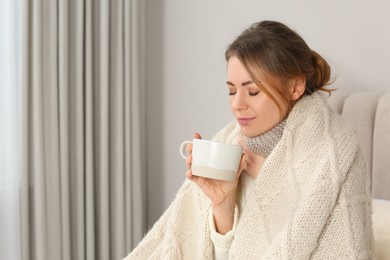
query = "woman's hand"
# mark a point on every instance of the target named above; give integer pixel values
(221, 193)
(253, 161)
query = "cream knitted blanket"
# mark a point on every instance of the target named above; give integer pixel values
(311, 199)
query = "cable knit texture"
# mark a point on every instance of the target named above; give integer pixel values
(311, 199)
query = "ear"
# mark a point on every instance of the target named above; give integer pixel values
(297, 87)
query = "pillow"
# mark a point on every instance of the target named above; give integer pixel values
(381, 227)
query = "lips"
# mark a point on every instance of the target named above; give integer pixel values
(243, 121)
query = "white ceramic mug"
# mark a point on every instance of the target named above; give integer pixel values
(212, 159)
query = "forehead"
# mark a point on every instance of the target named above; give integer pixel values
(235, 69)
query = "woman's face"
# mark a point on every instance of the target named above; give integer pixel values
(255, 112)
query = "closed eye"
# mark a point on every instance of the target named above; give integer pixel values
(231, 93)
(232, 90)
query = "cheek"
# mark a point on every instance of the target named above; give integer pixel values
(269, 112)
(231, 103)
(275, 110)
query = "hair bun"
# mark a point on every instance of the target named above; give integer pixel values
(321, 75)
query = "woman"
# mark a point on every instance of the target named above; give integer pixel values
(302, 191)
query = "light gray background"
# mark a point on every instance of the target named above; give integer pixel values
(186, 70)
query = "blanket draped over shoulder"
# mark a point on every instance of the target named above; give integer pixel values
(311, 199)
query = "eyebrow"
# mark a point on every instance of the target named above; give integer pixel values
(243, 84)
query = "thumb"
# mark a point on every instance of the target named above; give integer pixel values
(242, 165)
(242, 143)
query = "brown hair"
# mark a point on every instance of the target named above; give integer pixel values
(272, 54)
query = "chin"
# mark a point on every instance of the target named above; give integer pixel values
(249, 132)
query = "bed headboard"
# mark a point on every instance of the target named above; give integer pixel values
(371, 114)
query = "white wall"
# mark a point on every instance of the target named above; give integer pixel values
(185, 78)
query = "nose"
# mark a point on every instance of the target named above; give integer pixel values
(238, 101)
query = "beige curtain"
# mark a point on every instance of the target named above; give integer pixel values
(82, 178)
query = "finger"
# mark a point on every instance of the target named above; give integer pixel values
(192, 177)
(242, 166)
(197, 136)
(189, 147)
(189, 161)
(200, 181)
(242, 143)
(189, 174)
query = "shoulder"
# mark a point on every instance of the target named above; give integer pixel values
(311, 126)
(312, 116)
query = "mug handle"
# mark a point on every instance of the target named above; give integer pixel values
(183, 149)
